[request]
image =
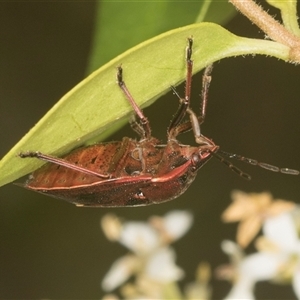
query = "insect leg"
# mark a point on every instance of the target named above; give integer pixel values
(60, 162)
(206, 79)
(195, 121)
(143, 120)
(137, 127)
(186, 126)
(184, 102)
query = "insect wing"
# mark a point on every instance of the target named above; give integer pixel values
(116, 192)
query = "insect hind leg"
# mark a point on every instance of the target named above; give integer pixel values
(60, 162)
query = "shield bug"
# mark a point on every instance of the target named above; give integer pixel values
(136, 172)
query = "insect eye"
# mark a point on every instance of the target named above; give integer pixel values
(195, 161)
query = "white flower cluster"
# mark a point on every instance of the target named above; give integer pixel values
(278, 255)
(151, 261)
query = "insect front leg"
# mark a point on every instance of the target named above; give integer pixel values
(176, 127)
(184, 102)
(195, 121)
(206, 79)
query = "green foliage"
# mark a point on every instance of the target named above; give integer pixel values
(96, 103)
(122, 25)
(96, 106)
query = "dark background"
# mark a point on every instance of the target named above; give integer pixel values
(51, 249)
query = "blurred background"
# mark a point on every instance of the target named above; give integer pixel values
(51, 249)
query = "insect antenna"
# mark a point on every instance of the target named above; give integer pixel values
(257, 163)
(230, 165)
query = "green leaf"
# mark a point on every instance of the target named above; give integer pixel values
(96, 103)
(217, 11)
(122, 25)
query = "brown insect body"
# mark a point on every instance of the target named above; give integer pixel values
(131, 172)
(141, 173)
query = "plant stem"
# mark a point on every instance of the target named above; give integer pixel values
(269, 25)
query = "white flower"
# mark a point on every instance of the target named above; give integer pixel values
(161, 267)
(152, 259)
(251, 210)
(119, 272)
(177, 223)
(139, 237)
(281, 231)
(278, 259)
